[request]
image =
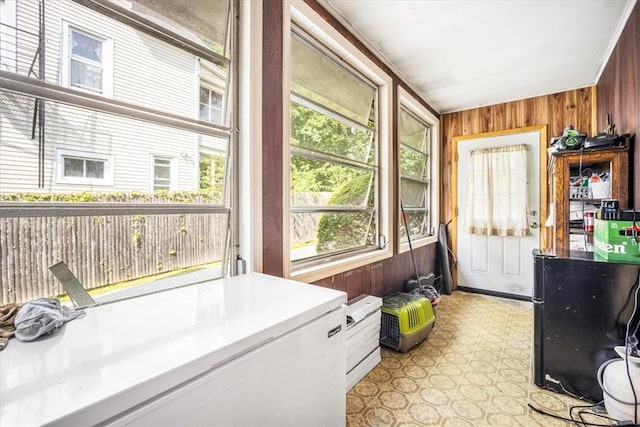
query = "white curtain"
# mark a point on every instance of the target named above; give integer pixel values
(496, 192)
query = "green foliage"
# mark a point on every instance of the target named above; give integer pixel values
(135, 239)
(339, 231)
(317, 133)
(186, 196)
(212, 170)
(314, 134)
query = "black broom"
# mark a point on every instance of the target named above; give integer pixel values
(418, 282)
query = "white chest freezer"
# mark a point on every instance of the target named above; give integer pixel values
(244, 351)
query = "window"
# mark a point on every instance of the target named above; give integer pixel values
(211, 99)
(210, 105)
(86, 187)
(87, 61)
(338, 150)
(8, 35)
(417, 133)
(161, 174)
(77, 167)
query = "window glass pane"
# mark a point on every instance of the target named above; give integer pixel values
(415, 173)
(104, 55)
(322, 234)
(318, 183)
(202, 21)
(319, 79)
(86, 76)
(417, 222)
(321, 133)
(95, 169)
(412, 193)
(73, 167)
(125, 247)
(334, 164)
(8, 37)
(413, 132)
(204, 96)
(86, 47)
(112, 256)
(212, 89)
(413, 164)
(130, 143)
(162, 174)
(212, 174)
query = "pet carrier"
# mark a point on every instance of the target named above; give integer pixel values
(407, 319)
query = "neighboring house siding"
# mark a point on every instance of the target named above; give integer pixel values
(145, 71)
(18, 152)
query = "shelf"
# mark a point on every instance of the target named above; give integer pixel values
(580, 231)
(568, 202)
(592, 201)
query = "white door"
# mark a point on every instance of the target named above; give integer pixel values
(502, 265)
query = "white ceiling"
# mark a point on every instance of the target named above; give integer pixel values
(462, 54)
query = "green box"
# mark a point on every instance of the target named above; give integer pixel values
(614, 240)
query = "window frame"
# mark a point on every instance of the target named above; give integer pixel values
(58, 92)
(416, 108)
(68, 29)
(306, 19)
(172, 173)
(107, 159)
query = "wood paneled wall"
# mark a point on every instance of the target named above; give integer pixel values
(556, 111)
(619, 94)
(380, 278)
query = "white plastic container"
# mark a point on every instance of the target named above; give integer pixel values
(617, 392)
(601, 189)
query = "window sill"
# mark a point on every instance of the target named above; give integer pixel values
(404, 246)
(318, 272)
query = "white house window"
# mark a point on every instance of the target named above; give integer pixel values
(75, 167)
(161, 174)
(8, 34)
(211, 106)
(87, 61)
(418, 135)
(83, 168)
(338, 150)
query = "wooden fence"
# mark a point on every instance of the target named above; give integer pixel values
(102, 250)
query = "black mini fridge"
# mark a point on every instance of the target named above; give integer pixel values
(581, 309)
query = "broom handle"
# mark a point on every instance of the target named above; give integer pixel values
(406, 228)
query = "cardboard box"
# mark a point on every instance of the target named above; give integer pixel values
(617, 240)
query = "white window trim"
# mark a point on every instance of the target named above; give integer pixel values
(172, 171)
(107, 59)
(8, 37)
(411, 104)
(108, 179)
(308, 20)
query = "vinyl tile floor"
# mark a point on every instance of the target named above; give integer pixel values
(474, 369)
